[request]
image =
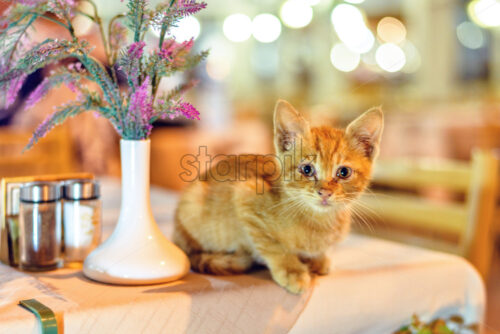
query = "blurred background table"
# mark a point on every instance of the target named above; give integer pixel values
(375, 286)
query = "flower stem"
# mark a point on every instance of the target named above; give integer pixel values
(50, 19)
(107, 48)
(110, 25)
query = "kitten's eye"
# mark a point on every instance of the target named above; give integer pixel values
(307, 170)
(344, 172)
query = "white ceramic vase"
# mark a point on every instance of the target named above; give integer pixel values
(137, 252)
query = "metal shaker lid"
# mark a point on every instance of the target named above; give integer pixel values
(40, 191)
(81, 189)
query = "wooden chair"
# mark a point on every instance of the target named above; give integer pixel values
(398, 210)
(51, 155)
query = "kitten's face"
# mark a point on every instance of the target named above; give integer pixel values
(324, 167)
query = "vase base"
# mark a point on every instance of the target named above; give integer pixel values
(151, 260)
(104, 278)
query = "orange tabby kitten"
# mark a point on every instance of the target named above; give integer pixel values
(282, 210)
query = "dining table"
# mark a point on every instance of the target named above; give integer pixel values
(374, 286)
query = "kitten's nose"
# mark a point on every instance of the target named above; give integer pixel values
(325, 193)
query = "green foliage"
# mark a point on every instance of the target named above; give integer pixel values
(131, 112)
(452, 325)
(165, 67)
(60, 115)
(137, 17)
(48, 52)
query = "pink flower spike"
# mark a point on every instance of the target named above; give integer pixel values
(72, 87)
(176, 52)
(135, 50)
(13, 90)
(188, 110)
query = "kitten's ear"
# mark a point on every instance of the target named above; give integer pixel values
(365, 132)
(289, 125)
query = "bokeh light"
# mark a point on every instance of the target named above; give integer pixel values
(470, 35)
(349, 24)
(343, 58)
(345, 15)
(355, 1)
(296, 13)
(187, 28)
(390, 57)
(485, 13)
(360, 40)
(237, 27)
(391, 30)
(266, 28)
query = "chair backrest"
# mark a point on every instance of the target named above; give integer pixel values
(52, 154)
(400, 209)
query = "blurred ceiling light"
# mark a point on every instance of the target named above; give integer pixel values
(485, 13)
(355, 1)
(359, 40)
(413, 59)
(470, 35)
(266, 28)
(187, 28)
(296, 13)
(391, 30)
(390, 57)
(346, 15)
(343, 58)
(349, 24)
(237, 27)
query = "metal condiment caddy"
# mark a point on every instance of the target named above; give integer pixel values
(38, 192)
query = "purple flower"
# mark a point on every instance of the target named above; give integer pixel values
(117, 36)
(47, 84)
(135, 50)
(140, 101)
(188, 110)
(77, 67)
(141, 107)
(62, 8)
(29, 3)
(189, 7)
(176, 52)
(42, 130)
(38, 93)
(49, 49)
(15, 86)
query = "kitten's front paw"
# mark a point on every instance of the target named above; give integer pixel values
(294, 281)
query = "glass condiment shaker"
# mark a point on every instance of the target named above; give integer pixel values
(40, 226)
(82, 219)
(12, 223)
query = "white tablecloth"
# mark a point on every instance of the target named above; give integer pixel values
(374, 287)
